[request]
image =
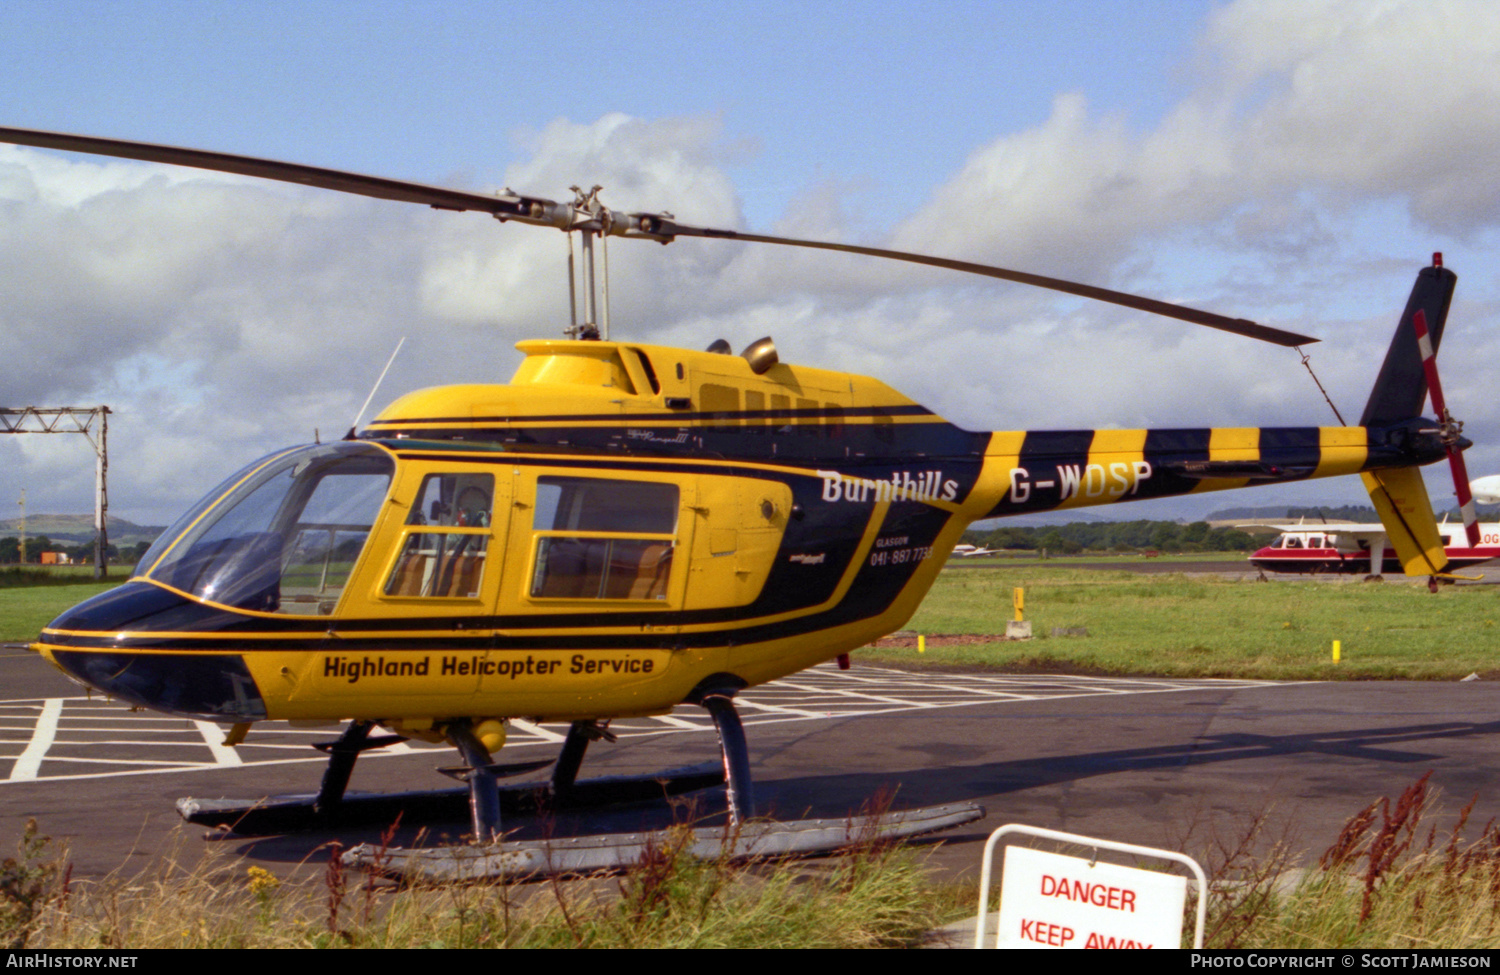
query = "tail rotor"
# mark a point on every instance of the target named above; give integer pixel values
(1450, 431)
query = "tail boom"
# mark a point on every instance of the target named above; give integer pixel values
(1052, 470)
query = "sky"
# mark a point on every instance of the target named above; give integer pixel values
(1295, 163)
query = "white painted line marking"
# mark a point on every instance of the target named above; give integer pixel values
(746, 704)
(30, 762)
(676, 722)
(819, 693)
(152, 763)
(537, 730)
(213, 737)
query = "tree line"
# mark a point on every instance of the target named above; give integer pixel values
(1116, 536)
(81, 552)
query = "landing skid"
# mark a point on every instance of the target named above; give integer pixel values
(487, 803)
(590, 854)
(297, 813)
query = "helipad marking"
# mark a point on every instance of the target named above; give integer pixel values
(60, 732)
(213, 737)
(673, 721)
(535, 729)
(30, 762)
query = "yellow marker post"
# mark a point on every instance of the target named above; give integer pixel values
(921, 643)
(1019, 598)
(1336, 651)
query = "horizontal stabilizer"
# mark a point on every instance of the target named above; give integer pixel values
(1400, 496)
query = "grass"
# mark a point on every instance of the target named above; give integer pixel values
(870, 897)
(1095, 558)
(25, 610)
(27, 576)
(1205, 626)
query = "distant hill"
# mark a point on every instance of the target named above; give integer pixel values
(1281, 512)
(79, 528)
(1037, 519)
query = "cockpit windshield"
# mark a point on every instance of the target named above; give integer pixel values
(285, 536)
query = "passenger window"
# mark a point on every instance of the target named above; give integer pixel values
(447, 538)
(438, 564)
(462, 500)
(722, 401)
(807, 422)
(834, 421)
(603, 539)
(755, 402)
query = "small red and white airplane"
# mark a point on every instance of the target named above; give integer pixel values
(1345, 546)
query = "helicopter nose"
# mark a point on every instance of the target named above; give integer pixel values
(129, 643)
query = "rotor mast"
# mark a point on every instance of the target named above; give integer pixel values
(590, 219)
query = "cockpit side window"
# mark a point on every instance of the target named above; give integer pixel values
(286, 538)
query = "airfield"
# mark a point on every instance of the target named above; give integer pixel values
(1183, 764)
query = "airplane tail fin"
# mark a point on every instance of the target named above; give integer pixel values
(1400, 392)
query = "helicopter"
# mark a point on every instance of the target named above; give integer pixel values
(625, 527)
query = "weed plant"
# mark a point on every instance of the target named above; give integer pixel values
(873, 896)
(1389, 880)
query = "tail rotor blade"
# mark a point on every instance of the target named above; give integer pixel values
(1450, 429)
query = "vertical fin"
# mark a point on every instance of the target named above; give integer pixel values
(1401, 389)
(1400, 496)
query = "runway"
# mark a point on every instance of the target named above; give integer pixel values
(1145, 761)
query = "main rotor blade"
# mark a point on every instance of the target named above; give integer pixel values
(656, 226)
(223, 162)
(540, 211)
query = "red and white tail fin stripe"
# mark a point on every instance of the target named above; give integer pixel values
(1449, 430)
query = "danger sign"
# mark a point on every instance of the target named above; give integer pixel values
(1052, 901)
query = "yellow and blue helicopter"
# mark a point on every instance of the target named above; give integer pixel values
(627, 527)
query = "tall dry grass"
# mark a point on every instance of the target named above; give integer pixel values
(1390, 879)
(873, 896)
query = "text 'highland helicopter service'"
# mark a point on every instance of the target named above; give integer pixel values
(626, 527)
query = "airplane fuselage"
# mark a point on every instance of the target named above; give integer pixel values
(1346, 549)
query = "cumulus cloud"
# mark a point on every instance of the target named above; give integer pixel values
(1394, 99)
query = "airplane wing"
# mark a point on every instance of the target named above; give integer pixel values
(1327, 528)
